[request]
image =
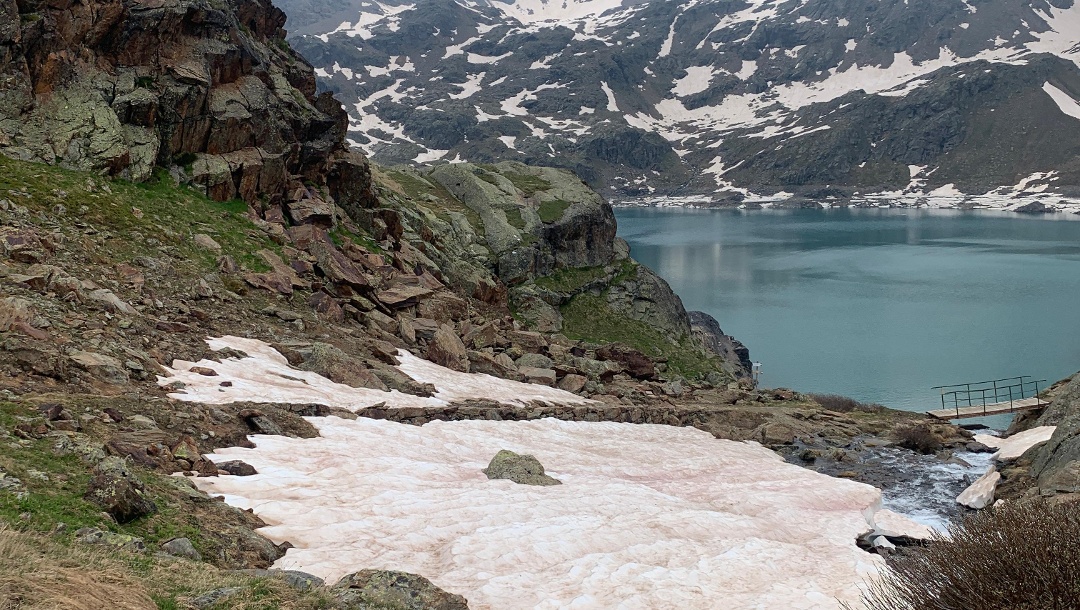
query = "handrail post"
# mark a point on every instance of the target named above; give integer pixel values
(1038, 399)
(1011, 407)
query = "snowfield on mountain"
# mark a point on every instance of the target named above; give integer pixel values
(719, 99)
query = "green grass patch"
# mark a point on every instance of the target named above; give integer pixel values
(527, 183)
(431, 195)
(588, 317)
(514, 218)
(56, 498)
(339, 235)
(566, 281)
(552, 211)
(132, 220)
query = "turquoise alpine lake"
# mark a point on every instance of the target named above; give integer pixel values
(877, 304)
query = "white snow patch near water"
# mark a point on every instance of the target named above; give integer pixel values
(647, 516)
(1014, 446)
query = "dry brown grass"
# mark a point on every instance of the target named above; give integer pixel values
(1018, 556)
(39, 573)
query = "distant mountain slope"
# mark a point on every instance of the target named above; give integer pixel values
(717, 97)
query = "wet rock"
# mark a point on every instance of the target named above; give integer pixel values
(118, 491)
(388, 589)
(521, 469)
(446, 349)
(181, 547)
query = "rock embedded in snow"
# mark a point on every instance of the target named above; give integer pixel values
(980, 494)
(648, 516)
(521, 469)
(894, 525)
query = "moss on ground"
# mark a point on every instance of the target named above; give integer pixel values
(528, 184)
(552, 211)
(569, 281)
(427, 193)
(514, 218)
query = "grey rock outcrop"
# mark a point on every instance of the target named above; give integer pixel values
(389, 589)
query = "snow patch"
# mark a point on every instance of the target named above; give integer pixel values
(1064, 101)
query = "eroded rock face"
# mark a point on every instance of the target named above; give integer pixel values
(389, 589)
(521, 469)
(208, 89)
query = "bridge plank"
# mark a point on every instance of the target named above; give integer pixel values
(1024, 404)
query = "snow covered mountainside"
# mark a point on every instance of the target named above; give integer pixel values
(716, 98)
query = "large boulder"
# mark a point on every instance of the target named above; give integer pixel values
(633, 361)
(446, 349)
(336, 365)
(116, 489)
(521, 469)
(369, 589)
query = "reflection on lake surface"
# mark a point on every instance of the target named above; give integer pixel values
(879, 305)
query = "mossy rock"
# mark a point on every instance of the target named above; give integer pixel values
(521, 469)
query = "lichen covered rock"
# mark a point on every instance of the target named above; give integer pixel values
(521, 469)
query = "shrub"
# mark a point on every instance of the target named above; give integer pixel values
(1019, 555)
(919, 437)
(843, 404)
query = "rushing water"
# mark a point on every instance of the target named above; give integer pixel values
(879, 305)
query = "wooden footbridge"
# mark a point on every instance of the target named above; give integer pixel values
(994, 397)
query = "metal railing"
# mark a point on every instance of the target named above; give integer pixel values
(995, 392)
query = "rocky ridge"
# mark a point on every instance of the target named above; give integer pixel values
(718, 101)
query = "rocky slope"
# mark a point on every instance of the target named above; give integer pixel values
(504, 269)
(821, 98)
